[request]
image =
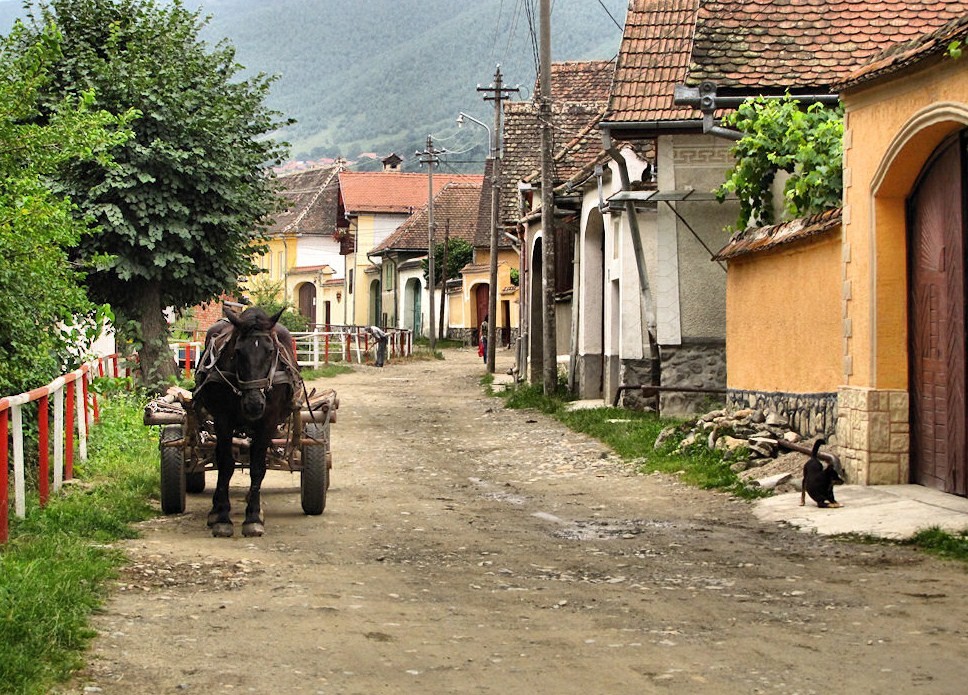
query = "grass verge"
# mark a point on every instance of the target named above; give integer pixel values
(326, 372)
(632, 435)
(936, 541)
(55, 568)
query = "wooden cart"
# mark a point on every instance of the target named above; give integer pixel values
(187, 445)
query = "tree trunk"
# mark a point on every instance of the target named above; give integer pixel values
(154, 356)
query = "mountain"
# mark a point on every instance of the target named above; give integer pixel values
(378, 76)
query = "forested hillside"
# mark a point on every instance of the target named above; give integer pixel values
(380, 75)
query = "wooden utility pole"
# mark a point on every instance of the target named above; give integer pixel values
(549, 333)
(443, 271)
(429, 157)
(496, 93)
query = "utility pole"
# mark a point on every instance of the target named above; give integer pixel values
(496, 93)
(429, 157)
(549, 332)
(443, 271)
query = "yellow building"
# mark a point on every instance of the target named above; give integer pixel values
(303, 252)
(902, 408)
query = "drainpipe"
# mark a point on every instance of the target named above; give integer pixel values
(705, 99)
(645, 299)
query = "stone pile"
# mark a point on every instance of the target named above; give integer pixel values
(748, 437)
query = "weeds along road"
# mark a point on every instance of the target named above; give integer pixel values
(466, 548)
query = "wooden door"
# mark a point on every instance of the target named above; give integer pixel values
(936, 214)
(307, 301)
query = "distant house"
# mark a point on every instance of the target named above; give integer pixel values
(477, 274)
(375, 204)
(402, 256)
(304, 236)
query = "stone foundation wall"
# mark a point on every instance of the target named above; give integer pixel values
(468, 336)
(874, 435)
(693, 365)
(809, 414)
(635, 372)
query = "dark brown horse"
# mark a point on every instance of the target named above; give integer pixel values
(248, 381)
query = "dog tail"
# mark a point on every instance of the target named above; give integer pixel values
(816, 446)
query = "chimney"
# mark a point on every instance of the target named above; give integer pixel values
(392, 162)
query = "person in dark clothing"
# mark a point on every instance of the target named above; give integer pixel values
(382, 338)
(482, 339)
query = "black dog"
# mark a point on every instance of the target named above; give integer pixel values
(819, 480)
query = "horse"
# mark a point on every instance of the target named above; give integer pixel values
(248, 382)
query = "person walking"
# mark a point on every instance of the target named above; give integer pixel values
(482, 339)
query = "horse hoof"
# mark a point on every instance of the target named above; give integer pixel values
(222, 529)
(253, 528)
(212, 519)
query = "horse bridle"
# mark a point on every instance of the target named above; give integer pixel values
(265, 384)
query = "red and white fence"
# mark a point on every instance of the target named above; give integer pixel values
(75, 407)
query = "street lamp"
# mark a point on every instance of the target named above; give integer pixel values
(460, 122)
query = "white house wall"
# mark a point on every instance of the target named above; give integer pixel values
(320, 250)
(700, 163)
(666, 275)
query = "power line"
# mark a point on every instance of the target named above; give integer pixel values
(621, 28)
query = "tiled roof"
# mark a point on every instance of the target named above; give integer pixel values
(902, 55)
(577, 82)
(758, 239)
(455, 209)
(803, 44)
(653, 58)
(313, 196)
(579, 93)
(303, 269)
(390, 191)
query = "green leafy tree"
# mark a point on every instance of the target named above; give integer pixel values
(459, 254)
(40, 290)
(779, 135)
(269, 295)
(191, 191)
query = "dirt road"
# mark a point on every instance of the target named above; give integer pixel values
(470, 549)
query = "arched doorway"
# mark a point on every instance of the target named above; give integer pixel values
(376, 309)
(412, 306)
(936, 315)
(307, 302)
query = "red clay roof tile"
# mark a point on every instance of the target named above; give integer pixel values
(391, 192)
(803, 44)
(653, 58)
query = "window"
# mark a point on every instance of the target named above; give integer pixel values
(388, 273)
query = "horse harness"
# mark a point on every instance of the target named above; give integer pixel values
(282, 371)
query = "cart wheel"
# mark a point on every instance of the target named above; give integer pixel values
(314, 478)
(172, 472)
(195, 482)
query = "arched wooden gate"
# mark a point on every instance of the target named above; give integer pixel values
(936, 262)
